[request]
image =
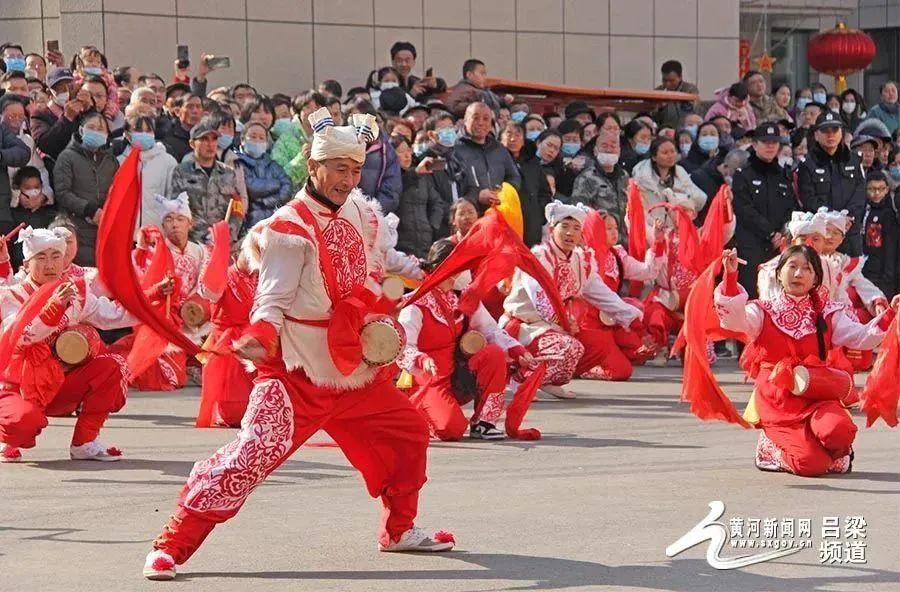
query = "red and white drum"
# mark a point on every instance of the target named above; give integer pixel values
(383, 339)
(392, 287)
(826, 383)
(195, 312)
(471, 343)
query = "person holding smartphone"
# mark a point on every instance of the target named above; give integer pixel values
(403, 58)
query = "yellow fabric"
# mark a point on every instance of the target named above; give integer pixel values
(511, 208)
(751, 416)
(405, 381)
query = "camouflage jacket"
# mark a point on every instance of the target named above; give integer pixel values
(208, 196)
(601, 192)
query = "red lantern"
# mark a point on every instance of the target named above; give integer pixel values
(839, 52)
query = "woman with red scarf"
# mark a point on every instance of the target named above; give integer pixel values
(802, 384)
(446, 376)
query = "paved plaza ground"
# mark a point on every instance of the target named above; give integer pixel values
(622, 472)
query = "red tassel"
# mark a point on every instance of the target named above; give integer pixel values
(442, 536)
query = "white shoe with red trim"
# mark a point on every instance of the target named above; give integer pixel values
(159, 566)
(415, 540)
(95, 450)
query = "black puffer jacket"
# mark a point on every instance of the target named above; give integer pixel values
(421, 212)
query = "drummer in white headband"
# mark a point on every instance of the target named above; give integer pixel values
(169, 369)
(804, 228)
(36, 383)
(530, 318)
(315, 252)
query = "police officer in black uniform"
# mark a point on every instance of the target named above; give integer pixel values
(763, 202)
(832, 176)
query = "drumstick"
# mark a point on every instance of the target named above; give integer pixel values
(228, 211)
(549, 358)
(12, 233)
(741, 261)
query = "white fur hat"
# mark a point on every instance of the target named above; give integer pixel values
(346, 141)
(37, 240)
(556, 211)
(179, 205)
(806, 223)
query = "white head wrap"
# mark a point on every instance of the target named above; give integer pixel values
(179, 205)
(347, 141)
(841, 220)
(556, 211)
(37, 240)
(806, 223)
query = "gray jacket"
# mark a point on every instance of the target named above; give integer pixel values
(82, 179)
(483, 166)
(600, 191)
(13, 153)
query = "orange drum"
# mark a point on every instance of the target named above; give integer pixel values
(73, 346)
(471, 343)
(383, 340)
(826, 383)
(195, 311)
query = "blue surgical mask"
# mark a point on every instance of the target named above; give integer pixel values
(820, 97)
(895, 172)
(93, 71)
(420, 149)
(15, 64)
(389, 85)
(238, 127)
(447, 136)
(533, 135)
(642, 147)
(224, 141)
(281, 126)
(708, 143)
(570, 148)
(93, 139)
(685, 149)
(518, 116)
(255, 149)
(691, 129)
(145, 140)
(802, 102)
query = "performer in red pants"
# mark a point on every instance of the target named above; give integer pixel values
(35, 383)
(804, 430)
(314, 294)
(434, 326)
(530, 318)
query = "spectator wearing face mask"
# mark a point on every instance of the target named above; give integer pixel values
(14, 117)
(881, 235)
(853, 108)
(638, 137)
(571, 160)
(888, 110)
(732, 103)
(892, 169)
(802, 98)
(603, 184)
(704, 149)
(268, 186)
(819, 93)
(157, 166)
(89, 64)
(484, 164)
(13, 153)
(288, 150)
(83, 173)
(534, 194)
(13, 57)
(32, 202)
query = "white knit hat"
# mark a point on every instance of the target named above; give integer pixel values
(347, 141)
(556, 211)
(179, 206)
(806, 223)
(37, 240)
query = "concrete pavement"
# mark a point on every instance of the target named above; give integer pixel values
(621, 473)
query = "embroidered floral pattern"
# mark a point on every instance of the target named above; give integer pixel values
(223, 481)
(558, 345)
(347, 252)
(492, 408)
(795, 318)
(769, 455)
(429, 302)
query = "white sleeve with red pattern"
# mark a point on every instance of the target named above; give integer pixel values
(411, 319)
(737, 314)
(484, 323)
(598, 293)
(848, 332)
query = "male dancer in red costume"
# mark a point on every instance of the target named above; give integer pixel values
(316, 252)
(35, 384)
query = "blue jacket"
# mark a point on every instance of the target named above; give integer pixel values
(889, 115)
(268, 187)
(380, 177)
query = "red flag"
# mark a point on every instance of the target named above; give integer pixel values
(215, 275)
(712, 234)
(881, 394)
(114, 240)
(699, 386)
(637, 230)
(493, 250)
(594, 232)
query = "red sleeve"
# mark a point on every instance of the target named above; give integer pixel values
(730, 284)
